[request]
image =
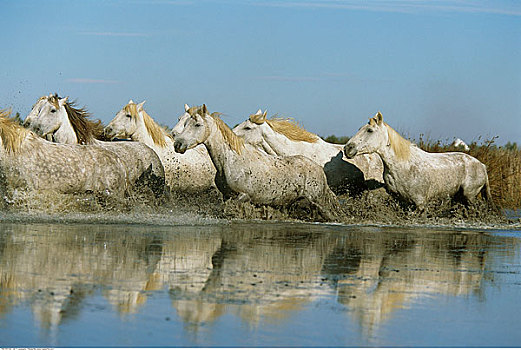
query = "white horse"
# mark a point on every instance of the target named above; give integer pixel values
(28, 162)
(192, 171)
(253, 175)
(35, 110)
(60, 121)
(283, 137)
(416, 175)
(460, 144)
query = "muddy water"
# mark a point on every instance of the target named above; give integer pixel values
(257, 284)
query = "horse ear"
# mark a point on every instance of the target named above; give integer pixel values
(259, 112)
(187, 107)
(140, 106)
(379, 119)
(205, 110)
(130, 101)
(62, 101)
(265, 114)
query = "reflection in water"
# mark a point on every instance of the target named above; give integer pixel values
(376, 276)
(257, 272)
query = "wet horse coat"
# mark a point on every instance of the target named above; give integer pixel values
(283, 137)
(191, 172)
(28, 162)
(416, 175)
(250, 174)
(60, 121)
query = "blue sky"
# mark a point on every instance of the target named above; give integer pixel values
(440, 68)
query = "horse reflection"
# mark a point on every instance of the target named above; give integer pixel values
(265, 273)
(382, 275)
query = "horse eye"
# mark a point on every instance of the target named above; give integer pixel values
(247, 128)
(198, 125)
(369, 130)
(53, 110)
(129, 116)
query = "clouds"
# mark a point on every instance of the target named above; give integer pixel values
(403, 6)
(316, 78)
(114, 34)
(91, 81)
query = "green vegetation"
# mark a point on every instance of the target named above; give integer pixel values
(342, 140)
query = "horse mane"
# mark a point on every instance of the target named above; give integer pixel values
(11, 133)
(86, 130)
(287, 127)
(235, 142)
(156, 132)
(400, 146)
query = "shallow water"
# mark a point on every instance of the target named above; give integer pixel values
(257, 284)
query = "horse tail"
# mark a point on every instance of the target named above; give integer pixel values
(485, 193)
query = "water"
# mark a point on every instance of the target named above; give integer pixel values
(257, 284)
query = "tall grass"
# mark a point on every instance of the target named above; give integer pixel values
(503, 167)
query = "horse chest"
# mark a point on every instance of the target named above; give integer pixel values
(404, 183)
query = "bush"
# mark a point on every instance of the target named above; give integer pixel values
(342, 140)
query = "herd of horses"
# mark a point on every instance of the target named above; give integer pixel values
(264, 161)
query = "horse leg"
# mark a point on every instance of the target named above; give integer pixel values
(419, 202)
(328, 206)
(243, 198)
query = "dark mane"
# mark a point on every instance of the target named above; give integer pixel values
(86, 130)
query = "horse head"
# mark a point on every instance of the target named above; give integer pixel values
(369, 138)
(49, 115)
(255, 131)
(191, 130)
(35, 111)
(178, 128)
(126, 121)
(251, 130)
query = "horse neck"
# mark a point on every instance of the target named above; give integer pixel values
(142, 135)
(319, 151)
(391, 161)
(65, 133)
(219, 150)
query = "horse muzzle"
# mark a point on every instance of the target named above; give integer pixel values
(179, 147)
(108, 133)
(350, 151)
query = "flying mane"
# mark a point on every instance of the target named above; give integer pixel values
(11, 133)
(287, 127)
(235, 142)
(86, 130)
